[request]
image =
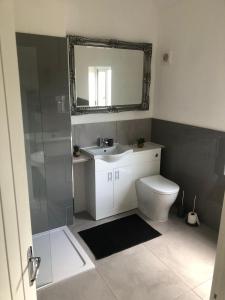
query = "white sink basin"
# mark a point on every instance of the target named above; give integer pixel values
(108, 154)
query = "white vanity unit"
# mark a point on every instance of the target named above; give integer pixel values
(112, 173)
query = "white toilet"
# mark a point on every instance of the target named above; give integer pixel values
(156, 194)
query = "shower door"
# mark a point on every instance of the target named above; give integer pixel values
(47, 127)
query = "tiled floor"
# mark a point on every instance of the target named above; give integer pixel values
(177, 265)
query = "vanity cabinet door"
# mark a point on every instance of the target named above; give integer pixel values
(124, 189)
(104, 194)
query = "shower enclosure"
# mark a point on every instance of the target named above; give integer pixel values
(47, 129)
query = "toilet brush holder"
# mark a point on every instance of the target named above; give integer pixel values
(192, 217)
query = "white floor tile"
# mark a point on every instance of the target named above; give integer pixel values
(140, 275)
(86, 286)
(204, 290)
(187, 253)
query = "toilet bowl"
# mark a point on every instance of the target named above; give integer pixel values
(155, 195)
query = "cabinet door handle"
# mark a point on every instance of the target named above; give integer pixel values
(117, 176)
(109, 176)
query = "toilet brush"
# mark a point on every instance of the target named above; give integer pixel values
(180, 210)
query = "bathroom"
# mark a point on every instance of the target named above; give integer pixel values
(125, 196)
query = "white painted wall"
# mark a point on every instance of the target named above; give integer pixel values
(130, 20)
(45, 17)
(191, 89)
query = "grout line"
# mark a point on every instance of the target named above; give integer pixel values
(189, 289)
(106, 283)
(196, 286)
(179, 297)
(193, 290)
(197, 295)
(169, 268)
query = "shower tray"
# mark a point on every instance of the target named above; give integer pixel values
(68, 258)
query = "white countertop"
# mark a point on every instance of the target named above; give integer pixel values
(147, 146)
(80, 159)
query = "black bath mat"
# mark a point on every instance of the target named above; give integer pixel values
(118, 235)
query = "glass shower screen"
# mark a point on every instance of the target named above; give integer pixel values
(47, 129)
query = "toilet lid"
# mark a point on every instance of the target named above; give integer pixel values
(160, 184)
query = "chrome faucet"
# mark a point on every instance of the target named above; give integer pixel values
(103, 142)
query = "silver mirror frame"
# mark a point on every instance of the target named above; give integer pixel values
(107, 43)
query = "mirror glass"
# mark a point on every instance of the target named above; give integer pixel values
(108, 76)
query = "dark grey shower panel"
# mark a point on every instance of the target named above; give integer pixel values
(47, 125)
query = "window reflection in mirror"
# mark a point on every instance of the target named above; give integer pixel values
(99, 85)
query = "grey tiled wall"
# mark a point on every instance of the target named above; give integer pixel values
(124, 132)
(194, 158)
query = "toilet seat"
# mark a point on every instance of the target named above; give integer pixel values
(160, 185)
